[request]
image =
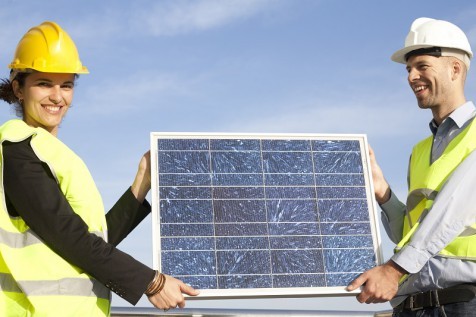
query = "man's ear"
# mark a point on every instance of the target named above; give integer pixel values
(457, 69)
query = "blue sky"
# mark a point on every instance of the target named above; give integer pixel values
(290, 66)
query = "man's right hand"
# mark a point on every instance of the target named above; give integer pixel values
(381, 187)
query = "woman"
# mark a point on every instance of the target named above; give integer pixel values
(57, 248)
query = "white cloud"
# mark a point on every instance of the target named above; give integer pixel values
(124, 94)
(177, 17)
(393, 116)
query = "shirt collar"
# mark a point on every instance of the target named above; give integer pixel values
(459, 116)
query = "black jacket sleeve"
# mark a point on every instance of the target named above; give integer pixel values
(33, 194)
(124, 216)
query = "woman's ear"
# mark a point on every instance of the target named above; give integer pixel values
(17, 90)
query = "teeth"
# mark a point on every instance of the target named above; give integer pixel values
(419, 88)
(53, 108)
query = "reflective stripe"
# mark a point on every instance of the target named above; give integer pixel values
(416, 196)
(8, 284)
(67, 286)
(468, 232)
(19, 240)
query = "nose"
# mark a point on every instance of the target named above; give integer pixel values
(413, 75)
(55, 95)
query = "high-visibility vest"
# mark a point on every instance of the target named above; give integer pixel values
(426, 180)
(34, 280)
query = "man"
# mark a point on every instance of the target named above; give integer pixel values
(433, 272)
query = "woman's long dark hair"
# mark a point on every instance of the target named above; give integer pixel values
(7, 94)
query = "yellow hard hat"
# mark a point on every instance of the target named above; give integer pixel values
(47, 48)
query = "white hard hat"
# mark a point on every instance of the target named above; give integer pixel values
(445, 37)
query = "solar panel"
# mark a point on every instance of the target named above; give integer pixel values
(240, 215)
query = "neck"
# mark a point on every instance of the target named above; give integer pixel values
(443, 112)
(53, 131)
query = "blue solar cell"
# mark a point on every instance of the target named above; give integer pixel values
(185, 180)
(364, 241)
(339, 279)
(340, 180)
(187, 230)
(231, 145)
(288, 179)
(287, 162)
(292, 211)
(189, 262)
(295, 242)
(345, 260)
(190, 243)
(243, 262)
(340, 192)
(344, 228)
(174, 192)
(238, 192)
(343, 210)
(241, 229)
(290, 192)
(335, 145)
(266, 212)
(237, 179)
(294, 229)
(337, 162)
(182, 144)
(184, 162)
(297, 261)
(186, 211)
(239, 211)
(286, 145)
(245, 281)
(239, 243)
(300, 280)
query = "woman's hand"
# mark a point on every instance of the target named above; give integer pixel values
(141, 185)
(171, 296)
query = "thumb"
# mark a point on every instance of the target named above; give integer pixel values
(189, 290)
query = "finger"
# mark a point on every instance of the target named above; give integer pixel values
(189, 290)
(359, 281)
(168, 302)
(363, 297)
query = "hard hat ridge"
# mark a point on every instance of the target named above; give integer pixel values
(428, 33)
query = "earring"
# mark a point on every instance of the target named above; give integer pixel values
(20, 101)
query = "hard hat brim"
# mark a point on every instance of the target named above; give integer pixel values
(399, 56)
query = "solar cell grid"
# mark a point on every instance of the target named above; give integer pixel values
(234, 214)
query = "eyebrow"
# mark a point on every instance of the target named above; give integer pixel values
(50, 81)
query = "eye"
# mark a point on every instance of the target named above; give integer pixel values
(43, 84)
(423, 67)
(67, 86)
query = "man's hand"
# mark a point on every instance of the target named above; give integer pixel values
(381, 187)
(380, 284)
(141, 185)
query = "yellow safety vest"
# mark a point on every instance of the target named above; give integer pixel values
(34, 280)
(426, 180)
